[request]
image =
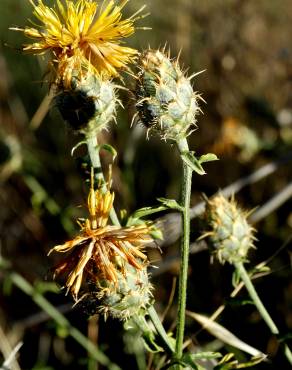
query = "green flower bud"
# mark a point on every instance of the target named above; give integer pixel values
(166, 102)
(229, 235)
(130, 295)
(89, 105)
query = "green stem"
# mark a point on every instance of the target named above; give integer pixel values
(160, 329)
(185, 244)
(259, 305)
(93, 151)
(43, 303)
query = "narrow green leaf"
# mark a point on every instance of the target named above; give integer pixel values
(204, 355)
(110, 149)
(134, 221)
(170, 203)
(261, 269)
(190, 159)
(142, 212)
(237, 302)
(209, 157)
(150, 344)
(156, 234)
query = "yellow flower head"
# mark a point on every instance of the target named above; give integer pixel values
(82, 37)
(101, 250)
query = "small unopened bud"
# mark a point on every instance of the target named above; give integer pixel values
(88, 105)
(229, 235)
(166, 102)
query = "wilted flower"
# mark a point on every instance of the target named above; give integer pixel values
(101, 252)
(81, 37)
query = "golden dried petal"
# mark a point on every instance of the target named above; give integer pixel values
(75, 278)
(63, 248)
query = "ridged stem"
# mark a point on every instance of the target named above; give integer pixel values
(259, 305)
(93, 151)
(185, 245)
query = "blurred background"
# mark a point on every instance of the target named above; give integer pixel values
(245, 50)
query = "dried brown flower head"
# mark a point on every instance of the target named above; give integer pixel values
(101, 250)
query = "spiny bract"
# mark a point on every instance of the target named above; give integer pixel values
(229, 234)
(129, 296)
(88, 105)
(166, 102)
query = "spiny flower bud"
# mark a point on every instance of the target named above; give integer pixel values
(130, 295)
(229, 234)
(166, 102)
(89, 105)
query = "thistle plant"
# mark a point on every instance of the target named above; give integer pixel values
(105, 264)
